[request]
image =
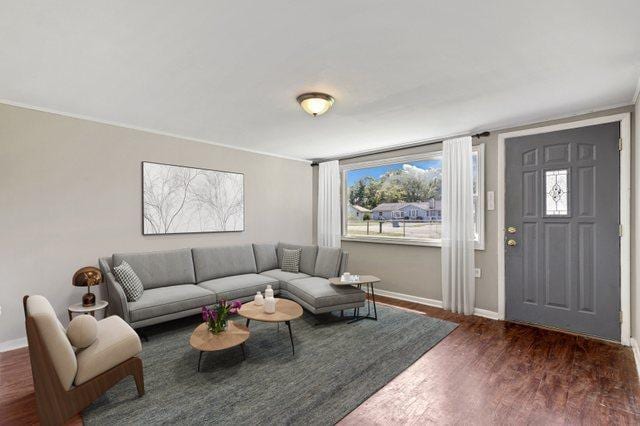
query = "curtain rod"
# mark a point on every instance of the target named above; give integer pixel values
(399, 148)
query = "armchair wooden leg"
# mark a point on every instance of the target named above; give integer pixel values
(138, 376)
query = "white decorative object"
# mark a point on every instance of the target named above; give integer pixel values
(180, 199)
(458, 239)
(345, 277)
(269, 305)
(268, 292)
(259, 299)
(329, 219)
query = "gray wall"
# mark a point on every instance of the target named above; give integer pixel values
(635, 225)
(415, 270)
(70, 191)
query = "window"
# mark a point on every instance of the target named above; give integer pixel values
(556, 192)
(404, 196)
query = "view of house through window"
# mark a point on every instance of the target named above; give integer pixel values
(400, 199)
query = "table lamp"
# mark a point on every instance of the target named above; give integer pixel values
(86, 277)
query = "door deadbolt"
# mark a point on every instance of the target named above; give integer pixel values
(511, 242)
(511, 230)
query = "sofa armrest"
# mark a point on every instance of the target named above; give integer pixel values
(344, 261)
(117, 299)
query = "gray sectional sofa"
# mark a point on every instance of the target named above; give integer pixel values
(177, 283)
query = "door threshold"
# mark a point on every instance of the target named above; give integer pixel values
(561, 330)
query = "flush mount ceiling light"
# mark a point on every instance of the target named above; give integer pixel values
(315, 103)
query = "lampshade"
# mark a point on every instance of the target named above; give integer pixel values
(315, 103)
(86, 277)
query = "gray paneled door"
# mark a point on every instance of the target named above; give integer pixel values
(562, 230)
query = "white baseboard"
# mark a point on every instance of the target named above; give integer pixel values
(10, 345)
(485, 313)
(408, 298)
(435, 303)
(636, 354)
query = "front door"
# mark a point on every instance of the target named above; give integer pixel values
(562, 229)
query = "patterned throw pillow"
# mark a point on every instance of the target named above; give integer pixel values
(129, 281)
(291, 260)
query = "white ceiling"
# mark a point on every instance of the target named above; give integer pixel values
(229, 71)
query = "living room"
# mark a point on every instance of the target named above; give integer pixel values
(291, 213)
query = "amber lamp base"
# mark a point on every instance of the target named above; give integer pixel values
(88, 299)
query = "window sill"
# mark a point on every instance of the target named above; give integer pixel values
(401, 242)
(396, 241)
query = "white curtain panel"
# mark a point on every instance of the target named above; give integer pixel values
(329, 231)
(458, 278)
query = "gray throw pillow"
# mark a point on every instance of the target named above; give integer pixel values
(291, 260)
(129, 281)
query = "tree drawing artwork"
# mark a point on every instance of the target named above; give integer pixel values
(183, 199)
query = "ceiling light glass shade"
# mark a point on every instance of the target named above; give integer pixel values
(315, 103)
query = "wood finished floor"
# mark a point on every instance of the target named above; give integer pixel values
(484, 372)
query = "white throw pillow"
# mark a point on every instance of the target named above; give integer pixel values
(129, 281)
(82, 331)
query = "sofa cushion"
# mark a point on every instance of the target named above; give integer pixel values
(168, 300)
(116, 342)
(217, 262)
(160, 268)
(319, 293)
(284, 277)
(239, 286)
(328, 262)
(307, 256)
(266, 257)
(55, 339)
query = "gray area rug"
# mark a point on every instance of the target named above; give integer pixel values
(336, 367)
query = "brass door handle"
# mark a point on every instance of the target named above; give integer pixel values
(511, 230)
(511, 242)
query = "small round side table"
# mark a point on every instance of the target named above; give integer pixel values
(77, 308)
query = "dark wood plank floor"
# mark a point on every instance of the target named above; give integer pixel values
(495, 372)
(484, 372)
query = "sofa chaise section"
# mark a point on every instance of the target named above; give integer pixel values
(310, 287)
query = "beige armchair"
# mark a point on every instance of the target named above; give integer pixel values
(68, 379)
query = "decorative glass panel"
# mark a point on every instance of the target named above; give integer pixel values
(557, 192)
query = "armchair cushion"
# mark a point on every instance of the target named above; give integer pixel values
(82, 331)
(55, 339)
(115, 343)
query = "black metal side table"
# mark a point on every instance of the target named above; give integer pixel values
(363, 280)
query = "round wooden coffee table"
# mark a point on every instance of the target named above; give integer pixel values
(286, 310)
(204, 341)
(364, 280)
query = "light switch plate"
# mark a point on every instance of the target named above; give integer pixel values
(478, 272)
(491, 205)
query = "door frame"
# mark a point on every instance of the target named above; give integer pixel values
(625, 209)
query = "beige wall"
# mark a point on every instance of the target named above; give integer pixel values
(70, 191)
(415, 270)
